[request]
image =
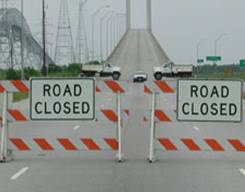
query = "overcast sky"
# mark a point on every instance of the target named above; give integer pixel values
(178, 24)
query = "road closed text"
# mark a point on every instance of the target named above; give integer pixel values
(209, 101)
(62, 99)
(57, 107)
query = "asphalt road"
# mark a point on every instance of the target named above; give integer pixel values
(99, 172)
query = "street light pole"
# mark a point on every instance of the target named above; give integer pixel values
(197, 49)
(44, 67)
(120, 30)
(21, 39)
(101, 34)
(112, 21)
(118, 24)
(107, 35)
(216, 42)
(115, 31)
(93, 26)
(197, 53)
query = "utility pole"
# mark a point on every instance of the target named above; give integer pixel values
(44, 67)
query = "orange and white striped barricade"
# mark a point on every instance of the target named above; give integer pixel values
(157, 115)
(106, 115)
(7, 87)
(161, 87)
(4, 156)
(111, 86)
(118, 88)
(63, 144)
(14, 86)
(200, 144)
(67, 144)
(163, 114)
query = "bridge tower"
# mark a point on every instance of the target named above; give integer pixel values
(148, 14)
(128, 13)
(64, 50)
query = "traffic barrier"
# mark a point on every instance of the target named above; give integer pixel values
(163, 114)
(63, 144)
(101, 86)
(111, 115)
(111, 86)
(14, 86)
(158, 115)
(66, 144)
(107, 115)
(197, 144)
(166, 87)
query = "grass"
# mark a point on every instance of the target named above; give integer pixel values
(20, 96)
(2, 75)
(63, 74)
(221, 75)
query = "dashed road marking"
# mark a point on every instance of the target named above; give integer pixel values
(19, 173)
(76, 127)
(196, 128)
(242, 171)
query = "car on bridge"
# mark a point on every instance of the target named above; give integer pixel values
(140, 76)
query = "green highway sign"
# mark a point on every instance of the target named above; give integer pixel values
(199, 61)
(214, 58)
(242, 63)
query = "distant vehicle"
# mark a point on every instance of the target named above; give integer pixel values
(140, 76)
(102, 69)
(172, 70)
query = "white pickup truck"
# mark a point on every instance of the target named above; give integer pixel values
(172, 70)
(101, 69)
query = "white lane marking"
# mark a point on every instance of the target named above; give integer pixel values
(242, 171)
(19, 173)
(196, 128)
(76, 127)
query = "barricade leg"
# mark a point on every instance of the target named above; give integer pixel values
(5, 154)
(152, 157)
(119, 129)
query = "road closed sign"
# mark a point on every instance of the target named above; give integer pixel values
(209, 100)
(62, 99)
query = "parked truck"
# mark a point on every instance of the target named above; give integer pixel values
(172, 70)
(102, 69)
